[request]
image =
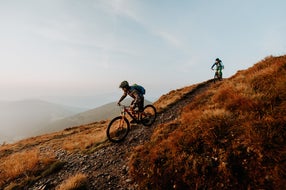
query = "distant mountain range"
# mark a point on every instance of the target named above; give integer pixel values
(22, 119)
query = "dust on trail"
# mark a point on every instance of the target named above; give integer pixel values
(107, 168)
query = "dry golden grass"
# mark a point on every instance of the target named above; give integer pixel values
(230, 137)
(24, 159)
(78, 181)
(96, 134)
(23, 163)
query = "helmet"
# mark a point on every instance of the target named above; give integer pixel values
(217, 59)
(124, 84)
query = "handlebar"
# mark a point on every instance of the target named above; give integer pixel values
(124, 106)
(130, 108)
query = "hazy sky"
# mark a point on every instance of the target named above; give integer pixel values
(69, 48)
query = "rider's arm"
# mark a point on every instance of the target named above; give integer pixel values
(213, 65)
(122, 97)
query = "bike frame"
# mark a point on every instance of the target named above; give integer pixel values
(126, 109)
(217, 75)
(119, 127)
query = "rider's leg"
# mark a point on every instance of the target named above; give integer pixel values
(141, 106)
(216, 75)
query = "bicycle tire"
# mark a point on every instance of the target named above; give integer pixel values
(149, 115)
(118, 129)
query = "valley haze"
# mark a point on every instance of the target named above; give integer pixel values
(26, 118)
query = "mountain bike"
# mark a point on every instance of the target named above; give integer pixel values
(218, 75)
(119, 127)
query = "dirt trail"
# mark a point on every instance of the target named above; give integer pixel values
(107, 167)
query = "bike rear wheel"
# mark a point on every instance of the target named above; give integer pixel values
(148, 115)
(118, 129)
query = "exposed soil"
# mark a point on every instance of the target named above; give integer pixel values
(107, 167)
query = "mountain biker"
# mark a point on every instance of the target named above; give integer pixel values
(219, 67)
(138, 98)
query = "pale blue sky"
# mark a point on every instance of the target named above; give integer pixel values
(85, 48)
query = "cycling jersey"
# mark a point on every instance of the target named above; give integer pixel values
(138, 98)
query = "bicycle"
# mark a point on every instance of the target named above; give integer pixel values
(119, 127)
(217, 76)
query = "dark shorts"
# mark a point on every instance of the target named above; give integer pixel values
(140, 104)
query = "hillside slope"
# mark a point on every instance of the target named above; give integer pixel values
(84, 150)
(232, 136)
(228, 135)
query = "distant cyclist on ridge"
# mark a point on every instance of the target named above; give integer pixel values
(218, 69)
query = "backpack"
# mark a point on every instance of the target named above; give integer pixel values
(139, 88)
(221, 66)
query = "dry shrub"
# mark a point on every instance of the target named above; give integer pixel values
(270, 79)
(268, 62)
(155, 167)
(22, 163)
(163, 131)
(191, 117)
(78, 181)
(263, 81)
(234, 98)
(218, 126)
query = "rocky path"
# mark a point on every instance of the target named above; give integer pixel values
(107, 167)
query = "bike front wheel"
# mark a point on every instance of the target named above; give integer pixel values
(118, 129)
(149, 115)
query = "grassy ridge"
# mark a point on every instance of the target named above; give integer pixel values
(231, 137)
